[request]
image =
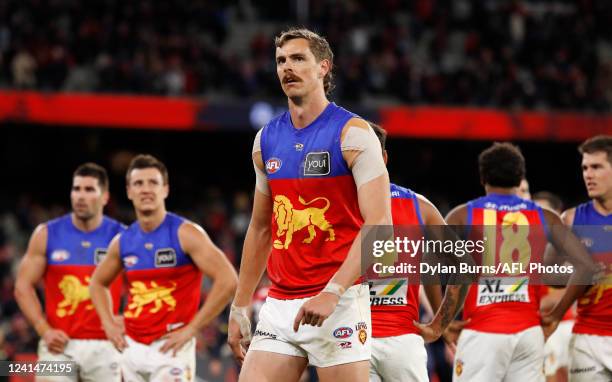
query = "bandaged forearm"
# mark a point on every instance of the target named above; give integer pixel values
(369, 163)
(240, 314)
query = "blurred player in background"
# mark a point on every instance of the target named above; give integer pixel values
(503, 340)
(398, 351)
(163, 256)
(320, 176)
(556, 348)
(591, 344)
(64, 252)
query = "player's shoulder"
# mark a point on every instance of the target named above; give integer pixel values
(569, 214)
(458, 215)
(191, 234)
(115, 224)
(58, 221)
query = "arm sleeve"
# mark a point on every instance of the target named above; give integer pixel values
(369, 163)
(261, 180)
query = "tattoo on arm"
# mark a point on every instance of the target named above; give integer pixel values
(448, 306)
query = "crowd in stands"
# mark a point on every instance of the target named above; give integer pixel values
(529, 54)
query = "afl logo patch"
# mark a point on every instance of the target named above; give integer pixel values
(165, 257)
(60, 255)
(130, 261)
(273, 165)
(343, 332)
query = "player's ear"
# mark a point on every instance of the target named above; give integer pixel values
(105, 197)
(324, 68)
(166, 190)
(127, 191)
(385, 157)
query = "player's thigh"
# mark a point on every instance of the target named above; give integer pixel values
(44, 354)
(349, 372)
(527, 362)
(101, 362)
(586, 356)
(345, 337)
(400, 358)
(265, 366)
(170, 367)
(481, 356)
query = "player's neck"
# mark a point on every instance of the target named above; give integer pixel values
(306, 109)
(500, 190)
(603, 205)
(87, 225)
(150, 220)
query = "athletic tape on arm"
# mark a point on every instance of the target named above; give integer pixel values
(261, 180)
(369, 163)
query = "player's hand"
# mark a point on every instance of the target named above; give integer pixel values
(115, 329)
(452, 331)
(176, 339)
(549, 324)
(56, 340)
(430, 332)
(239, 332)
(316, 310)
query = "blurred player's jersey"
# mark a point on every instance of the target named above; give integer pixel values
(164, 283)
(515, 231)
(595, 306)
(394, 302)
(316, 213)
(72, 256)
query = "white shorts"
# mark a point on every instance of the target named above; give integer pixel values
(96, 360)
(590, 358)
(399, 358)
(141, 362)
(556, 348)
(491, 357)
(344, 336)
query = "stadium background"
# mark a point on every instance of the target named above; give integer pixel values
(190, 81)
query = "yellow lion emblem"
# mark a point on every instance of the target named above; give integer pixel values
(156, 295)
(74, 293)
(290, 220)
(595, 293)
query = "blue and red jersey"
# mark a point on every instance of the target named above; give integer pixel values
(72, 256)
(514, 231)
(595, 306)
(164, 283)
(395, 302)
(315, 208)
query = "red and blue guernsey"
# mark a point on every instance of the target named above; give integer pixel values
(164, 283)
(595, 306)
(394, 302)
(315, 210)
(72, 256)
(515, 231)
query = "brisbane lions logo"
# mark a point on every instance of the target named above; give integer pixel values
(74, 293)
(155, 295)
(290, 220)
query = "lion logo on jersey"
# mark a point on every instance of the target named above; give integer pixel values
(74, 293)
(290, 220)
(596, 292)
(156, 295)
